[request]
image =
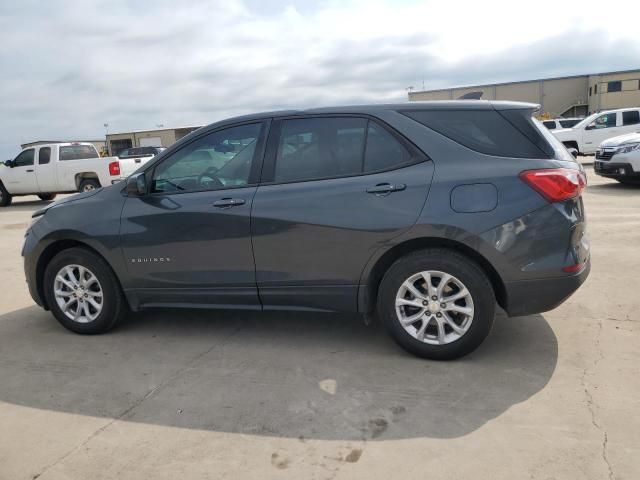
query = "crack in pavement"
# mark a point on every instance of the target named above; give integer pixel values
(170, 379)
(591, 404)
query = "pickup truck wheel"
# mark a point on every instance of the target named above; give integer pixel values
(437, 304)
(5, 197)
(82, 292)
(46, 196)
(88, 184)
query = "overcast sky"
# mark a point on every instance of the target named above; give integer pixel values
(67, 68)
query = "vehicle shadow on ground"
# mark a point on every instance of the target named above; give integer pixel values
(614, 189)
(298, 375)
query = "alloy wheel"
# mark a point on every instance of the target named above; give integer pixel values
(434, 307)
(78, 293)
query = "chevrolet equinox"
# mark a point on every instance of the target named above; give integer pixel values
(429, 214)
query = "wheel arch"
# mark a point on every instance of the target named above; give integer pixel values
(571, 144)
(86, 176)
(368, 291)
(51, 251)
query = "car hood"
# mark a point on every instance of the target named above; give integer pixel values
(621, 139)
(72, 198)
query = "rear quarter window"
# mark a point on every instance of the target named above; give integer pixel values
(484, 131)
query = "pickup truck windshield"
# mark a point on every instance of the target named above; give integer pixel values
(78, 152)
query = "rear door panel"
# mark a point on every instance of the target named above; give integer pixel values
(312, 239)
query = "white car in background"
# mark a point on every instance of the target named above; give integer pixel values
(619, 158)
(558, 123)
(588, 134)
(48, 169)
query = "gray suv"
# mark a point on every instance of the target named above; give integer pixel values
(426, 214)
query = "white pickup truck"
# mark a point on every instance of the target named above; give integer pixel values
(45, 170)
(586, 135)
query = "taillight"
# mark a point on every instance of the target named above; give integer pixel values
(114, 169)
(555, 184)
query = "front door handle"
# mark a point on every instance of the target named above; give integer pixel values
(30, 170)
(228, 202)
(386, 188)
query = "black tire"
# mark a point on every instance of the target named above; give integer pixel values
(450, 262)
(5, 197)
(88, 184)
(45, 197)
(113, 303)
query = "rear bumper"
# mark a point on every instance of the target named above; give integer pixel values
(541, 295)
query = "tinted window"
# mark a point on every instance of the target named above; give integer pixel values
(595, 88)
(44, 155)
(383, 150)
(78, 152)
(631, 117)
(568, 123)
(313, 148)
(589, 91)
(614, 86)
(219, 160)
(485, 131)
(550, 124)
(25, 158)
(136, 152)
(607, 120)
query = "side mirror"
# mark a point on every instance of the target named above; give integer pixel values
(9, 163)
(590, 127)
(136, 185)
(573, 152)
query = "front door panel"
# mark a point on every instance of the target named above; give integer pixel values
(181, 248)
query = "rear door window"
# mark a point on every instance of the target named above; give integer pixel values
(315, 148)
(632, 117)
(44, 155)
(484, 131)
(78, 152)
(383, 151)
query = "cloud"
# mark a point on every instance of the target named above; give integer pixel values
(66, 68)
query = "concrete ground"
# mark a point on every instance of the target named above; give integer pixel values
(197, 395)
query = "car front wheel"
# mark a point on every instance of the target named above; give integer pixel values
(83, 292)
(437, 304)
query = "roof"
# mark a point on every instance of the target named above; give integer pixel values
(497, 84)
(404, 106)
(35, 142)
(163, 129)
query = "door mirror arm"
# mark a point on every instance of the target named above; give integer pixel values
(136, 185)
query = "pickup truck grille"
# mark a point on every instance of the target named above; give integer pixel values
(605, 154)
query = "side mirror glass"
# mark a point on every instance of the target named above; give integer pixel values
(136, 185)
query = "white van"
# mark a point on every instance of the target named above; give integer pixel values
(595, 129)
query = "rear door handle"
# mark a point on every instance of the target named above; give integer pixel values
(386, 188)
(30, 170)
(228, 202)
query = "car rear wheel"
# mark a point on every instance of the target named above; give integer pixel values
(437, 304)
(82, 292)
(5, 197)
(88, 184)
(47, 196)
